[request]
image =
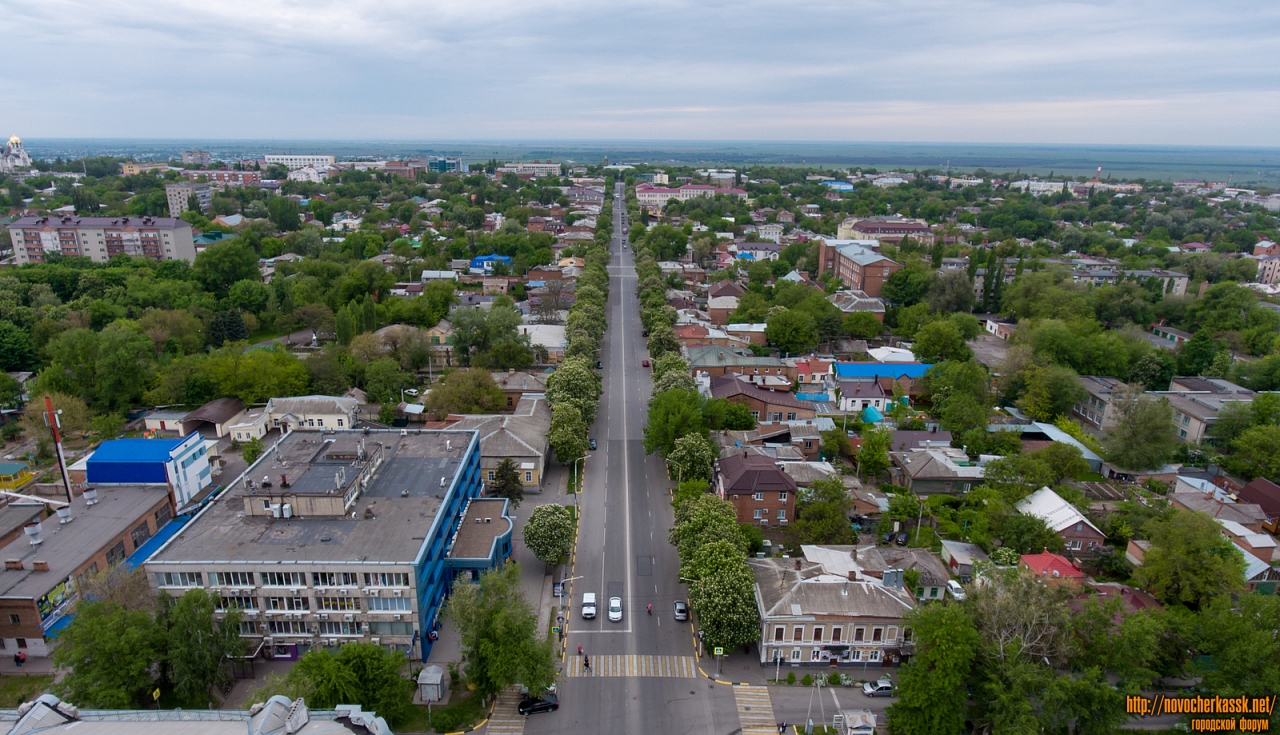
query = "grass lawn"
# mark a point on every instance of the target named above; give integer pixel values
(14, 690)
(464, 709)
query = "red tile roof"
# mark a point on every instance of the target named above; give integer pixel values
(1045, 564)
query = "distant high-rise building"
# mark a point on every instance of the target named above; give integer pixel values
(180, 195)
(445, 165)
(196, 158)
(294, 163)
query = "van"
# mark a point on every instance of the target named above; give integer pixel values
(588, 605)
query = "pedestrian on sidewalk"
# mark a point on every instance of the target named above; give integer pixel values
(22, 657)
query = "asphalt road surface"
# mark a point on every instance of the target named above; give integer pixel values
(623, 552)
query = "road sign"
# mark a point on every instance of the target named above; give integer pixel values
(555, 629)
(719, 651)
(558, 590)
(156, 695)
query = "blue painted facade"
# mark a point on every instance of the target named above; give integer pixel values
(485, 262)
(430, 566)
(471, 568)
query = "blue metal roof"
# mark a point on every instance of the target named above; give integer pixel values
(166, 532)
(479, 261)
(135, 450)
(871, 415)
(893, 370)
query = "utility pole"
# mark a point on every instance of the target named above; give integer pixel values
(51, 418)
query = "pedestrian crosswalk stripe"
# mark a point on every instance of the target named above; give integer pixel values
(755, 710)
(506, 718)
(632, 664)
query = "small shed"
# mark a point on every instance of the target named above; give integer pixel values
(432, 684)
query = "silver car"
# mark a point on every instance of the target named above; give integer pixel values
(615, 609)
(881, 688)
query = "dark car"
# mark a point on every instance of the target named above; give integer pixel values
(887, 538)
(599, 364)
(546, 703)
(682, 610)
(901, 538)
(593, 444)
(644, 363)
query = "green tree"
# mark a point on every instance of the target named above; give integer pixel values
(1063, 460)
(500, 638)
(506, 482)
(672, 415)
(932, 686)
(1028, 534)
(465, 391)
(726, 606)
(662, 340)
(283, 213)
(873, 453)
(197, 646)
(568, 432)
(1240, 636)
(549, 532)
(669, 363)
(227, 326)
(219, 266)
(383, 380)
(938, 341)
(1129, 649)
(16, 350)
(822, 514)
(109, 654)
(574, 381)
(702, 520)
(359, 673)
(1049, 391)
(1153, 370)
(108, 425)
(863, 325)
(792, 331)
(1197, 353)
(1257, 453)
(251, 296)
(252, 450)
(1142, 436)
(692, 455)
(1189, 562)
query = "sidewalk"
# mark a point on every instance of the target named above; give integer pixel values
(744, 668)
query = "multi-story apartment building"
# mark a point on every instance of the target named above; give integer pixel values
(196, 158)
(180, 194)
(447, 165)
(292, 162)
(856, 263)
(1196, 403)
(101, 238)
(342, 536)
(133, 168)
(1097, 411)
(226, 177)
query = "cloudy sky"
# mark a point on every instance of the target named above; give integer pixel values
(1136, 71)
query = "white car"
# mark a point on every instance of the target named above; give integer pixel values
(588, 605)
(615, 609)
(411, 391)
(955, 589)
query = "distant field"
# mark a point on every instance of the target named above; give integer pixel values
(1238, 165)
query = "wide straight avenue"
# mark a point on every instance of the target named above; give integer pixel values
(643, 676)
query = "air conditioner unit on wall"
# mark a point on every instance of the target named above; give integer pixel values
(323, 616)
(397, 616)
(320, 590)
(294, 591)
(348, 618)
(344, 592)
(397, 593)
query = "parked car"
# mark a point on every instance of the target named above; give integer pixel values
(682, 610)
(901, 538)
(592, 444)
(955, 589)
(411, 391)
(588, 605)
(599, 364)
(548, 702)
(615, 609)
(887, 538)
(881, 688)
(644, 363)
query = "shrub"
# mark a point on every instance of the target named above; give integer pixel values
(791, 677)
(807, 680)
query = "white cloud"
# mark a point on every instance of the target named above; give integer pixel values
(1089, 72)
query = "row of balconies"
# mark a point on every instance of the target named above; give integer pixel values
(301, 591)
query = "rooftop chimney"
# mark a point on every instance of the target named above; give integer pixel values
(13, 564)
(40, 566)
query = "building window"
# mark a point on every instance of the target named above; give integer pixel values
(283, 579)
(782, 496)
(759, 513)
(797, 633)
(14, 619)
(288, 603)
(893, 633)
(815, 655)
(1182, 433)
(179, 579)
(386, 579)
(755, 415)
(874, 656)
(757, 496)
(22, 642)
(528, 476)
(808, 444)
(835, 634)
(933, 591)
(319, 422)
(337, 603)
(782, 514)
(795, 653)
(791, 416)
(231, 579)
(311, 422)
(140, 534)
(239, 603)
(877, 635)
(1074, 544)
(116, 554)
(390, 604)
(859, 634)
(340, 423)
(817, 634)
(491, 475)
(778, 632)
